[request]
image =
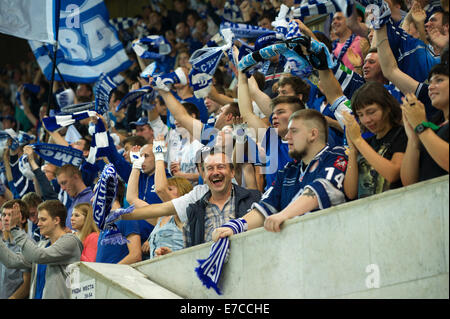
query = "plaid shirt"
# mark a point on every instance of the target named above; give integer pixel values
(214, 217)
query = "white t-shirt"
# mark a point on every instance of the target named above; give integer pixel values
(181, 203)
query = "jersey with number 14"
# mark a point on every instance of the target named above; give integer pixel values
(324, 175)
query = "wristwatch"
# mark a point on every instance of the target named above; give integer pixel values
(424, 125)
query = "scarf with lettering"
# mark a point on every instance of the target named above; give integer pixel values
(58, 155)
(204, 64)
(103, 90)
(210, 269)
(104, 196)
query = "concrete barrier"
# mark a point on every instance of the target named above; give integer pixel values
(110, 281)
(391, 245)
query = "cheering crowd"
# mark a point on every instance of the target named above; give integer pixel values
(207, 135)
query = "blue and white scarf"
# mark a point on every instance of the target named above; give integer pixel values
(25, 167)
(10, 134)
(99, 144)
(210, 269)
(134, 95)
(103, 199)
(103, 90)
(76, 108)
(204, 64)
(152, 47)
(122, 23)
(318, 7)
(53, 123)
(154, 69)
(24, 138)
(242, 30)
(59, 155)
(346, 46)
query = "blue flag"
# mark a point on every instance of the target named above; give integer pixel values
(87, 46)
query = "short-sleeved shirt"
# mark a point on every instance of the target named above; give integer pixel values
(370, 182)
(112, 254)
(428, 168)
(324, 175)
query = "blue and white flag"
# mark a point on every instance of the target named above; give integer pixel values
(210, 269)
(87, 44)
(103, 90)
(204, 63)
(53, 123)
(29, 19)
(59, 155)
(242, 30)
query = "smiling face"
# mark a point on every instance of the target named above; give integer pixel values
(339, 24)
(438, 91)
(47, 225)
(371, 68)
(218, 173)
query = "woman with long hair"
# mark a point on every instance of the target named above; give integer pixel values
(82, 221)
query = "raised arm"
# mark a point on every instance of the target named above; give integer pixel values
(181, 115)
(389, 66)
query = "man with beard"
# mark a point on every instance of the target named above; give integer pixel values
(313, 181)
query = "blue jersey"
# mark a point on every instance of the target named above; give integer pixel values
(324, 175)
(277, 155)
(413, 56)
(22, 184)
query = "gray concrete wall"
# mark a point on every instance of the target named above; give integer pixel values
(396, 241)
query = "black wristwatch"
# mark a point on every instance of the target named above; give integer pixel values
(420, 128)
(424, 125)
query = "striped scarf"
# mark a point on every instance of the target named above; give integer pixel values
(210, 269)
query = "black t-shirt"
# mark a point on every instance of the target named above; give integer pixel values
(428, 168)
(370, 182)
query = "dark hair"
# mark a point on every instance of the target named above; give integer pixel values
(120, 191)
(311, 115)
(234, 109)
(214, 151)
(55, 209)
(438, 69)
(32, 199)
(374, 92)
(295, 102)
(23, 208)
(299, 86)
(135, 140)
(191, 108)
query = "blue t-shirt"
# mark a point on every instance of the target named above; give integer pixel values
(112, 254)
